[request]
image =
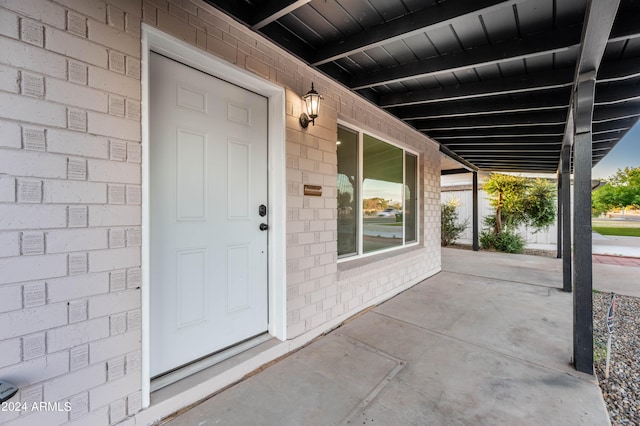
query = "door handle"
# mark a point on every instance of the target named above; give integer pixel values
(264, 226)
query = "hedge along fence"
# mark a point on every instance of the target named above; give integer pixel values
(465, 212)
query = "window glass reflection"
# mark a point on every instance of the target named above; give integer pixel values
(347, 149)
(382, 198)
(410, 198)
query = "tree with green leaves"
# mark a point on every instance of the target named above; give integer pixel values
(621, 190)
(517, 201)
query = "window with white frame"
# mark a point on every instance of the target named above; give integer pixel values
(377, 194)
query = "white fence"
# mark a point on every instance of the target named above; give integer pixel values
(465, 212)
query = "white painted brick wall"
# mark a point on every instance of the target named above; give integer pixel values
(112, 303)
(67, 385)
(72, 192)
(111, 82)
(25, 56)
(75, 47)
(10, 134)
(41, 112)
(26, 321)
(82, 60)
(66, 142)
(63, 289)
(99, 416)
(76, 334)
(69, 240)
(37, 370)
(9, 77)
(75, 95)
(32, 216)
(106, 260)
(56, 81)
(29, 163)
(109, 125)
(112, 171)
(10, 352)
(105, 393)
(105, 349)
(10, 298)
(48, 13)
(114, 215)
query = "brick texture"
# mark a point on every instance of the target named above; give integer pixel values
(71, 188)
(62, 63)
(318, 289)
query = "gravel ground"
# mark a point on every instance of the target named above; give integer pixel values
(621, 390)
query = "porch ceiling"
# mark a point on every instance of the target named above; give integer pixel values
(490, 80)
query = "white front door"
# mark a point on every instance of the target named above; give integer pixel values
(208, 167)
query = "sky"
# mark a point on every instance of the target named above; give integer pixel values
(626, 153)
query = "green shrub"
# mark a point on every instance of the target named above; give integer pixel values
(451, 229)
(510, 242)
(506, 241)
(487, 240)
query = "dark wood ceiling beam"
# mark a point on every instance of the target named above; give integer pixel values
(538, 103)
(517, 137)
(489, 151)
(503, 128)
(534, 82)
(617, 130)
(542, 81)
(274, 10)
(625, 28)
(532, 119)
(453, 172)
(604, 145)
(518, 169)
(611, 126)
(603, 113)
(237, 9)
(282, 36)
(619, 70)
(615, 95)
(612, 134)
(428, 19)
(604, 140)
(449, 153)
(524, 161)
(341, 76)
(539, 44)
(544, 155)
(513, 138)
(510, 163)
(495, 134)
(530, 143)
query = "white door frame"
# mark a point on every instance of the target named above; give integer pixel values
(171, 47)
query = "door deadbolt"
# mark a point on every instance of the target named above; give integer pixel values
(262, 210)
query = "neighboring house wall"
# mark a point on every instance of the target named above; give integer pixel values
(70, 198)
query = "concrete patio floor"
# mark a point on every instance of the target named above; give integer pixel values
(485, 342)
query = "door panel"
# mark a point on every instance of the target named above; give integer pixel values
(191, 175)
(208, 167)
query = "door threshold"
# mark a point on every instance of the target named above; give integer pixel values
(192, 368)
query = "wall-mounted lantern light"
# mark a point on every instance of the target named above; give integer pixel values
(312, 106)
